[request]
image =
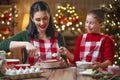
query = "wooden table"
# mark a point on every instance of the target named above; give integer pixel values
(71, 73)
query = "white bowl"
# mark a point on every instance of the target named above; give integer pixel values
(83, 65)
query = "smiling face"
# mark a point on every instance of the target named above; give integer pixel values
(92, 25)
(41, 20)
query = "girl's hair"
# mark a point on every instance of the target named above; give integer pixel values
(99, 14)
(31, 28)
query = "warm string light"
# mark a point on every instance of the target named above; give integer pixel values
(6, 16)
(5, 21)
(110, 5)
(112, 26)
(9, 54)
(66, 18)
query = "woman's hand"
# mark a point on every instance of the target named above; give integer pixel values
(31, 49)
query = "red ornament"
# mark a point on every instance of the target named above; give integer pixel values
(6, 31)
(72, 20)
(59, 19)
(65, 20)
(77, 19)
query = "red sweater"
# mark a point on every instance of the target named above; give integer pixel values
(107, 48)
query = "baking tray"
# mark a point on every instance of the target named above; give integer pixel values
(24, 76)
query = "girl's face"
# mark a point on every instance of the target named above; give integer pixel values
(92, 25)
(41, 20)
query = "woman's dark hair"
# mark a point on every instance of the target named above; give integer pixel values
(31, 28)
(99, 14)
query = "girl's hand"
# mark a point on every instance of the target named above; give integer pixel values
(66, 52)
(31, 49)
(62, 51)
(63, 64)
(96, 65)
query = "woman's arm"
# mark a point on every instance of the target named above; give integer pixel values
(17, 44)
(5, 44)
(22, 44)
(20, 40)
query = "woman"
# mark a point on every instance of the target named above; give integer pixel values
(92, 46)
(40, 37)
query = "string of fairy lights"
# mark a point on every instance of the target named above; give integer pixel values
(112, 26)
(5, 21)
(112, 22)
(66, 19)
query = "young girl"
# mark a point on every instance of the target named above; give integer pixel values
(92, 46)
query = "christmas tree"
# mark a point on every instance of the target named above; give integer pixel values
(66, 19)
(112, 26)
